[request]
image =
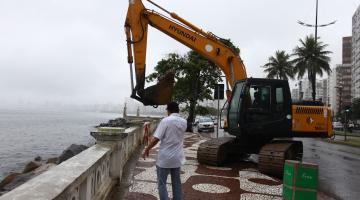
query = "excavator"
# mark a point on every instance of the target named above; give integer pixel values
(261, 116)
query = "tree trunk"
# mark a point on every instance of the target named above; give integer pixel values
(192, 105)
(313, 85)
(191, 116)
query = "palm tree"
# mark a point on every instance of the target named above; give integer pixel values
(280, 66)
(312, 59)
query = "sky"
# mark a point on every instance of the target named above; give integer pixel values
(74, 51)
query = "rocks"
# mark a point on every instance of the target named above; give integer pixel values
(8, 179)
(18, 180)
(32, 165)
(71, 151)
(54, 160)
(119, 122)
(38, 158)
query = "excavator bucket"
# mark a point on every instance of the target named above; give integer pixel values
(159, 94)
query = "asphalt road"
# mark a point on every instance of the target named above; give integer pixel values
(339, 166)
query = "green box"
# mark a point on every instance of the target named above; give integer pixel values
(292, 193)
(307, 176)
(300, 180)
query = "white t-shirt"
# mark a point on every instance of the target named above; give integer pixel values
(170, 132)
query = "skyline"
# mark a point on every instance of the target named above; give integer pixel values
(75, 52)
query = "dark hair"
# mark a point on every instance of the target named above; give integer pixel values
(173, 107)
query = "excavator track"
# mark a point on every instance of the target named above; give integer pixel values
(272, 156)
(213, 152)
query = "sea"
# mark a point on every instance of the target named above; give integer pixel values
(25, 134)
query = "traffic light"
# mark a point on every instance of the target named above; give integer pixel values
(219, 91)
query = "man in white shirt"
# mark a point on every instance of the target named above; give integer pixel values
(170, 132)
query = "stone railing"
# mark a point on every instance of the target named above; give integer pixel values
(90, 175)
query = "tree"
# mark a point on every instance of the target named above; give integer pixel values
(311, 59)
(195, 77)
(280, 66)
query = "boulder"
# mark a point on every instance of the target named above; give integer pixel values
(31, 166)
(8, 179)
(18, 180)
(38, 158)
(14, 180)
(54, 160)
(71, 151)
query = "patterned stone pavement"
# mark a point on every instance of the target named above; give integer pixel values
(240, 180)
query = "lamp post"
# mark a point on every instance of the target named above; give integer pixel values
(316, 22)
(316, 26)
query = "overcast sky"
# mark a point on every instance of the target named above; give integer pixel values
(74, 51)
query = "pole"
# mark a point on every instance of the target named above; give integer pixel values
(218, 112)
(345, 125)
(316, 21)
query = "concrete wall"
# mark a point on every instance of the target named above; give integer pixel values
(89, 175)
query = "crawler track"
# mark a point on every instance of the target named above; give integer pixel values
(272, 156)
(213, 152)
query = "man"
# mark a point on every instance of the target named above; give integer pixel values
(170, 132)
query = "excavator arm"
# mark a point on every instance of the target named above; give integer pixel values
(207, 44)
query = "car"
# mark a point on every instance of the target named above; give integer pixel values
(196, 120)
(337, 126)
(214, 119)
(205, 124)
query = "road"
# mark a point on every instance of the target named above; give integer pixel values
(339, 166)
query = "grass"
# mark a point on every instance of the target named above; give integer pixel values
(342, 133)
(351, 141)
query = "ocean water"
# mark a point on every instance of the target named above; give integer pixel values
(27, 134)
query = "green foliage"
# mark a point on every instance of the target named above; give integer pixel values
(205, 110)
(312, 59)
(280, 66)
(230, 44)
(355, 108)
(195, 78)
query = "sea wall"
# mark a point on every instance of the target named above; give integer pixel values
(90, 175)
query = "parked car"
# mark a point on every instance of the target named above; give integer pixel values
(205, 124)
(337, 126)
(196, 121)
(214, 119)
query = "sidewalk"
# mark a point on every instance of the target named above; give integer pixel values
(234, 181)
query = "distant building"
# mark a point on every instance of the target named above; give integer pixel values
(325, 93)
(340, 87)
(355, 85)
(295, 94)
(346, 50)
(305, 90)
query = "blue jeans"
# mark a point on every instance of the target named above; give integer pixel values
(162, 174)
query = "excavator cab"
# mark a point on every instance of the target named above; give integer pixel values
(260, 107)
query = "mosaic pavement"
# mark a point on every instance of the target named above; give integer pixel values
(234, 181)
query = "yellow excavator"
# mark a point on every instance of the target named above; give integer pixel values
(260, 112)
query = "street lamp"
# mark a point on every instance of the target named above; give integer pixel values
(316, 22)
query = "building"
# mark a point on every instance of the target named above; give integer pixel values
(355, 85)
(325, 92)
(305, 90)
(346, 50)
(340, 87)
(295, 94)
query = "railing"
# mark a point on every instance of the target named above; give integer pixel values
(90, 175)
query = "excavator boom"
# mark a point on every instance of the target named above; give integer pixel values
(207, 44)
